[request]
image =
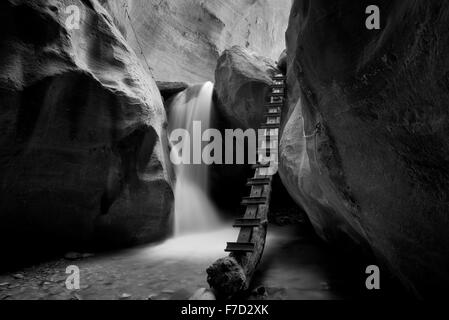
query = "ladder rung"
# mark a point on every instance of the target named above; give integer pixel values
(275, 136)
(274, 105)
(270, 126)
(277, 86)
(261, 165)
(246, 223)
(258, 181)
(280, 77)
(270, 138)
(267, 152)
(279, 94)
(240, 247)
(272, 114)
(260, 178)
(248, 201)
(270, 150)
(276, 98)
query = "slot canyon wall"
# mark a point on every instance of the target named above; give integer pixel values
(182, 40)
(376, 169)
(83, 146)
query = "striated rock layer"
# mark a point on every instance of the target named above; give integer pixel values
(82, 143)
(182, 40)
(377, 169)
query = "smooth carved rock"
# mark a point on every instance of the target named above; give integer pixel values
(82, 138)
(242, 81)
(170, 89)
(378, 171)
(182, 40)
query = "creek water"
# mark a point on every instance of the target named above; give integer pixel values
(294, 266)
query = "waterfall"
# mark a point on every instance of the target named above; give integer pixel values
(194, 211)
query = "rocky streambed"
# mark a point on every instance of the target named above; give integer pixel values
(294, 267)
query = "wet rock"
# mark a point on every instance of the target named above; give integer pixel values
(125, 296)
(242, 81)
(375, 171)
(259, 293)
(18, 276)
(76, 297)
(83, 142)
(108, 282)
(181, 294)
(170, 89)
(203, 294)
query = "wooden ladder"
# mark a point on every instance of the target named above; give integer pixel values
(258, 202)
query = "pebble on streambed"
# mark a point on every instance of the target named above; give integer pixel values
(203, 294)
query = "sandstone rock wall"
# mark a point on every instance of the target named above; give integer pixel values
(182, 40)
(82, 133)
(377, 171)
(242, 81)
